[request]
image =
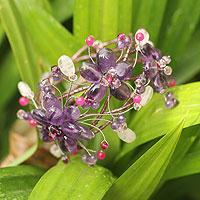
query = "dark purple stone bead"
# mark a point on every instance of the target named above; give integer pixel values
(158, 84)
(71, 113)
(170, 100)
(89, 159)
(85, 133)
(40, 116)
(121, 119)
(105, 60)
(70, 144)
(56, 73)
(97, 92)
(89, 73)
(70, 129)
(53, 109)
(121, 93)
(115, 125)
(123, 70)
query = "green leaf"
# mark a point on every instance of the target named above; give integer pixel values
(50, 38)
(149, 15)
(17, 182)
(155, 120)
(8, 71)
(73, 181)
(143, 177)
(188, 64)
(62, 9)
(176, 34)
(20, 42)
(187, 139)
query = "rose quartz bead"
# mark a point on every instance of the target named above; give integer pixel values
(23, 101)
(89, 40)
(80, 101)
(137, 99)
(139, 36)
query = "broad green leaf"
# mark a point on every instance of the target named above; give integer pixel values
(143, 177)
(8, 71)
(149, 15)
(62, 9)
(190, 164)
(81, 19)
(155, 120)
(51, 39)
(17, 182)
(177, 35)
(1, 33)
(20, 42)
(187, 139)
(188, 63)
(125, 16)
(73, 181)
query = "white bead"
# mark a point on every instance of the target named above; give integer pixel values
(66, 66)
(168, 70)
(147, 95)
(146, 37)
(25, 90)
(126, 135)
(20, 114)
(55, 151)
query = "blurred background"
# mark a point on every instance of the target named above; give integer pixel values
(34, 33)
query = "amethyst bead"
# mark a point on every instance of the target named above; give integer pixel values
(89, 159)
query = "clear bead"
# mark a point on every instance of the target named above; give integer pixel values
(66, 66)
(147, 95)
(126, 135)
(137, 106)
(25, 90)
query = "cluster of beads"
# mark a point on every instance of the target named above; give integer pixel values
(70, 118)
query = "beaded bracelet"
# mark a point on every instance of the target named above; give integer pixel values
(70, 118)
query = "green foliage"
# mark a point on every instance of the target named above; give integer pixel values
(37, 33)
(84, 182)
(17, 182)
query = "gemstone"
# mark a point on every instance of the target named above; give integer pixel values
(104, 145)
(121, 36)
(123, 70)
(89, 40)
(40, 116)
(80, 101)
(25, 90)
(137, 99)
(89, 72)
(71, 113)
(23, 101)
(32, 123)
(85, 133)
(121, 93)
(105, 60)
(147, 95)
(101, 155)
(172, 83)
(121, 119)
(115, 125)
(141, 37)
(168, 70)
(89, 159)
(66, 65)
(97, 92)
(126, 135)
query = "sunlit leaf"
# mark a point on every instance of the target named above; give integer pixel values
(154, 119)
(17, 182)
(141, 179)
(73, 181)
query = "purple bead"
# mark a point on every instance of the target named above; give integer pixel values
(56, 73)
(89, 73)
(121, 93)
(89, 159)
(121, 119)
(170, 100)
(105, 60)
(97, 92)
(71, 113)
(115, 125)
(85, 133)
(95, 105)
(123, 70)
(40, 116)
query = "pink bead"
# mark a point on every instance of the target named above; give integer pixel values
(109, 79)
(137, 99)
(89, 40)
(32, 123)
(80, 101)
(121, 36)
(101, 155)
(139, 36)
(104, 145)
(23, 101)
